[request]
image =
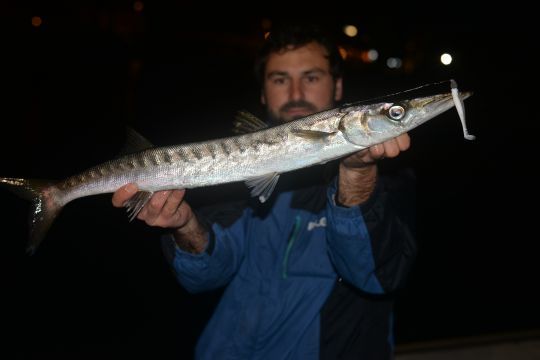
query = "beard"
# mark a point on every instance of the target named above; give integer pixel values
(280, 117)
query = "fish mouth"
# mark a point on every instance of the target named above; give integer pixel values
(465, 95)
(437, 104)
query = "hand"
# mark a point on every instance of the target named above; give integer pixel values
(164, 209)
(168, 209)
(358, 173)
(388, 149)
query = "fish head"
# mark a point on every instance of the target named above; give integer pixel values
(366, 125)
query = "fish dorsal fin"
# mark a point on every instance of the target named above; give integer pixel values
(136, 203)
(245, 122)
(135, 142)
(312, 134)
(262, 186)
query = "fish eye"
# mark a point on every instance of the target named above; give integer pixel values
(396, 112)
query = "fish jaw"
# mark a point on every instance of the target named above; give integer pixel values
(431, 106)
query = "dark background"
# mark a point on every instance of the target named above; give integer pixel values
(177, 72)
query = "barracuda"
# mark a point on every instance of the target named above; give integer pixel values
(257, 158)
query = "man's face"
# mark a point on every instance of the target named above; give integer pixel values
(297, 83)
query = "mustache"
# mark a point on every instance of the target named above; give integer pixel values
(298, 104)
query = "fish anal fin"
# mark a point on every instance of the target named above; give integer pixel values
(136, 203)
(245, 123)
(263, 186)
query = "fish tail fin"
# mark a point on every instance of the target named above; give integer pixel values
(43, 196)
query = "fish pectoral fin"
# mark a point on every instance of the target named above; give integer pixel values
(312, 134)
(136, 203)
(262, 186)
(245, 123)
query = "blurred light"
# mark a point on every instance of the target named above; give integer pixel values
(36, 21)
(138, 6)
(266, 35)
(343, 52)
(409, 65)
(393, 63)
(350, 30)
(266, 24)
(373, 55)
(364, 57)
(446, 59)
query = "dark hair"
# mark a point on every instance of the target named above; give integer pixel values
(295, 35)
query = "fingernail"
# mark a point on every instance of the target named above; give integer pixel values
(130, 188)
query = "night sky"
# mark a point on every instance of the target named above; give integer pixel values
(177, 73)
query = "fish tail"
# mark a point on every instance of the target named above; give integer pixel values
(43, 196)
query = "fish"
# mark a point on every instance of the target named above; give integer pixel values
(256, 155)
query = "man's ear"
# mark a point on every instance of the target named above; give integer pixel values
(338, 91)
(263, 98)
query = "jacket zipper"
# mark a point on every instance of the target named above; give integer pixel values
(290, 244)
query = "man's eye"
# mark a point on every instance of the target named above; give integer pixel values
(278, 81)
(312, 79)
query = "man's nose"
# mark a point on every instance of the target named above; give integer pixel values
(296, 91)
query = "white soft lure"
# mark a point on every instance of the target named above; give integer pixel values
(460, 109)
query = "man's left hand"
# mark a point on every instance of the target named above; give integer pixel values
(358, 173)
(388, 149)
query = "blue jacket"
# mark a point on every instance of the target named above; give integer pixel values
(281, 263)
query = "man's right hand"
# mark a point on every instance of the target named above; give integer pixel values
(167, 209)
(164, 209)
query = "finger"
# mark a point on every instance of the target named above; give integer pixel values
(391, 148)
(173, 202)
(174, 212)
(123, 194)
(403, 141)
(183, 214)
(376, 151)
(151, 210)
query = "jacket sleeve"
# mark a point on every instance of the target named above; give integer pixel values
(372, 245)
(214, 268)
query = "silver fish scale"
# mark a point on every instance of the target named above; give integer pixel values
(201, 164)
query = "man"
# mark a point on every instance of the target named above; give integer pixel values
(307, 272)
